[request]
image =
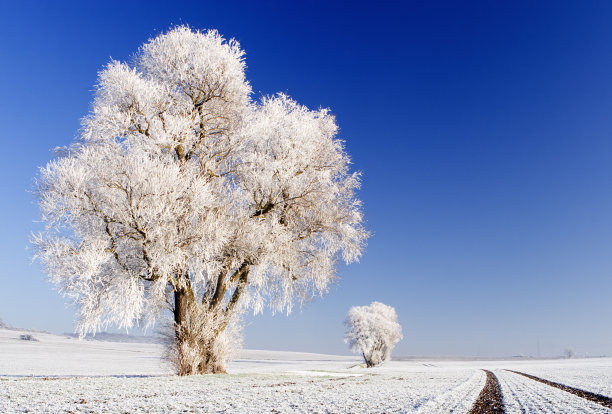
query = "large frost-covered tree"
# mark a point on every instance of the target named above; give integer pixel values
(372, 331)
(183, 193)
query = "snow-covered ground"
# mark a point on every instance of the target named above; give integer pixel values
(524, 395)
(62, 374)
(57, 355)
(592, 374)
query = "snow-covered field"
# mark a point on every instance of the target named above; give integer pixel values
(523, 395)
(62, 374)
(593, 374)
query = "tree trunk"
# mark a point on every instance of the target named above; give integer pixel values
(181, 332)
(180, 308)
(209, 363)
(198, 324)
(195, 349)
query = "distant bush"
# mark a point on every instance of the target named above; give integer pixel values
(27, 337)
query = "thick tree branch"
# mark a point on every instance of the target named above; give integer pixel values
(221, 287)
(240, 286)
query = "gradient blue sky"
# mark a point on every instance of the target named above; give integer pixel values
(483, 131)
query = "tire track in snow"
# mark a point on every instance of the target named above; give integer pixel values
(490, 399)
(596, 398)
(525, 396)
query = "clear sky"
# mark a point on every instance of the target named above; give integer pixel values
(483, 131)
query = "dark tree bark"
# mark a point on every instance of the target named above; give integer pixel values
(180, 307)
(186, 322)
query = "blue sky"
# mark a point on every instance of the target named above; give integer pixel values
(483, 131)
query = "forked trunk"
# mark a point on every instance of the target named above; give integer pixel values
(195, 331)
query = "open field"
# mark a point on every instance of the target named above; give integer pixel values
(62, 374)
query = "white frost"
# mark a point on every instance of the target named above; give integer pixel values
(372, 331)
(179, 181)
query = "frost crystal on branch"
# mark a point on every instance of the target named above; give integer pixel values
(372, 331)
(183, 193)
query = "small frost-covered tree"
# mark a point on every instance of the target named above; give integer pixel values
(183, 193)
(372, 331)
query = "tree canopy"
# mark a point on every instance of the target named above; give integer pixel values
(182, 190)
(372, 331)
